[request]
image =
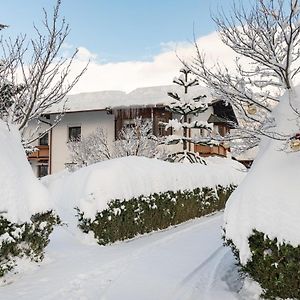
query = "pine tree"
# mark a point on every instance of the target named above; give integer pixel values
(187, 106)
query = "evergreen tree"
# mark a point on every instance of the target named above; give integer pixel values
(187, 106)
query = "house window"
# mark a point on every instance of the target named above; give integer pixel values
(44, 140)
(160, 127)
(161, 130)
(223, 130)
(42, 170)
(128, 124)
(75, 133)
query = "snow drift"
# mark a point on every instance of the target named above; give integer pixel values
(92, 187)
(268, 199)
(22, 195)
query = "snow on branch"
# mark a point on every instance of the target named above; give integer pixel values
(34, 75)
(266, 42)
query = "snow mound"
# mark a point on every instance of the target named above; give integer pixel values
(268, 199)
(91, 188)
(22, 195)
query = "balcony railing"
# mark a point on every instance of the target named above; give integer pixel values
(210, 150)
(41, 154)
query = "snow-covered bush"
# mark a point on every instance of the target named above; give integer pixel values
(26, 217)
(125, 219)
(25, 240)
(141, 182)
(262, 215)
(275, 266)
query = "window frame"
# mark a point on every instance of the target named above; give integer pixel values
(72, 138)
(40, 167)
(41, 140)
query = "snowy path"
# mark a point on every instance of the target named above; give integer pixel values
(184, 263)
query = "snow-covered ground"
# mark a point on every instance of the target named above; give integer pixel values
(184, 262)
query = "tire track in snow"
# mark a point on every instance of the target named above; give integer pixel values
(153, 245)
(186, 287)
(95, 280)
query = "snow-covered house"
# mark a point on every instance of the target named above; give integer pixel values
(111, 110)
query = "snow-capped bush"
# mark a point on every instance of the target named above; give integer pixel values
(125, 219)
(26, 217)
(262, 215)
(25, 240)
(96, 188)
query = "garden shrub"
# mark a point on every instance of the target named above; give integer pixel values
(124, 219)
(26, 240)
(275, 266)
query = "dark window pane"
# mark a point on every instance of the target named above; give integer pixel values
(75, 133)
(44, 140)
(42, 170)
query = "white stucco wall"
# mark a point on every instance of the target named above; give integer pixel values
(88, 121)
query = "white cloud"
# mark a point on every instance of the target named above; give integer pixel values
(83, 54)
(161, 70)
(67, 46)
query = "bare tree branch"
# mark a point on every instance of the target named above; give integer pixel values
(36, 67)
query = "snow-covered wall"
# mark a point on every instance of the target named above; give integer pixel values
(21, 194)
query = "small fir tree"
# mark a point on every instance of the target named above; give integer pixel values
(187, 106)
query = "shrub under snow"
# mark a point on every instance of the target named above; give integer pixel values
(125, 219)
(133, 195)
(262, 217)
(26, 218)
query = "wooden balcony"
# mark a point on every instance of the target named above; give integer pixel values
(41, 154)
(210, 150)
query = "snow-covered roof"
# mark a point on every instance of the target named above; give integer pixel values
(146, 96)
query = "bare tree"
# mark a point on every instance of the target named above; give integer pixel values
(266, 41)
(90, 149)
(34, 75)
(134, 140)
(137, 140)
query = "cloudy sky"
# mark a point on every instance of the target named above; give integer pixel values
(130, 43)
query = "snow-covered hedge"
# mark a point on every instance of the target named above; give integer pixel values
(25, 240)
(26, 217)
(106, 187)
(125, 219)
(264, 211)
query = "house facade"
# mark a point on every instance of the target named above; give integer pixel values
(111, 110)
